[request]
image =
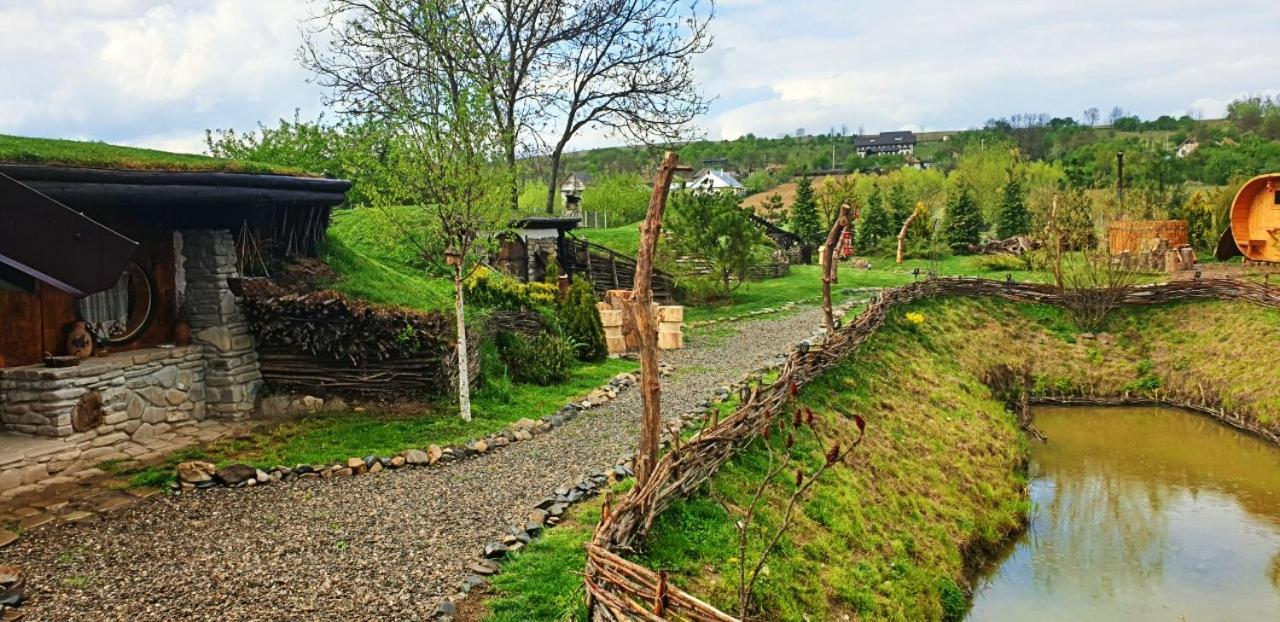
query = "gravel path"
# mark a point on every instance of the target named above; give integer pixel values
(386, 546)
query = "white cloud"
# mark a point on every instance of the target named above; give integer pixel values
(158, 72)
(145, 72)
(947, 65)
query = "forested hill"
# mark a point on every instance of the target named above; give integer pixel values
(1246, 142)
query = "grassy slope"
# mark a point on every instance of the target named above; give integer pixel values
(374, 259)
(101, 155)
(938, 480)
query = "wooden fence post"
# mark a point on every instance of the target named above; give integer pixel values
(642, 310)
(829, 266)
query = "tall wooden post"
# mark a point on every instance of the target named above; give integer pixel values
(829, 266)
(902, 234)
(642, 311)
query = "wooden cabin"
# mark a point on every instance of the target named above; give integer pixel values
(1255, 218)
(1136, 237)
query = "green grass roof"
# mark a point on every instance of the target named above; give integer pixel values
(24, 150)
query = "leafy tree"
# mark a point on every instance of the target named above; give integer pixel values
(623, 197)
(963, 222)
(711, 226)
(873, 223)
(1013, 217)
(804, 215)
(580, 321)
(1199, 214)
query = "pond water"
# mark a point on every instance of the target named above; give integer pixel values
(1142, 514)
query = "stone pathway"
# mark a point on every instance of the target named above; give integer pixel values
(82, 495)
(390, 545)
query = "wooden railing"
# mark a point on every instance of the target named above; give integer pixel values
(608, 269)
(619, 590)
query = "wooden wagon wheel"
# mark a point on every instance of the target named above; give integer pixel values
(87, 413)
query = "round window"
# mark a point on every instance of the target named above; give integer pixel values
(122, 312)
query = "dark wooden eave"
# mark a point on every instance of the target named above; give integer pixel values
(85, 188)
(49, 241)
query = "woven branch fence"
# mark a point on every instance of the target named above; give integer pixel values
(619, 590)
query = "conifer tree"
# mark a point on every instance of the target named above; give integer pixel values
(963, 223)
(1012, 218)
(873, 223)
(581, 322)
(805, 222)
(900, 207)
(775, 210)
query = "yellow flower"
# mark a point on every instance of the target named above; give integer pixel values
(915, 317)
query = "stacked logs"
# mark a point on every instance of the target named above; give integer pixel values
(620, 328)
(620, 590)
(326, 343)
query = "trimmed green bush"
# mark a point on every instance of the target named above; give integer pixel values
(580, 322)
(543, 360)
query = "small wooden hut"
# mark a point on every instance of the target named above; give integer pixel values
(1255, 218)
(1140, 237)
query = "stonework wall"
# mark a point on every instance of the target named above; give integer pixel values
(217, 321)
(144, 393)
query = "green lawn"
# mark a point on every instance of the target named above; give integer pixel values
(26, 150)
(624, 239)
(330, 438)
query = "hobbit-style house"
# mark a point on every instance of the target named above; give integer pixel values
(118, 295)
(1255, 219)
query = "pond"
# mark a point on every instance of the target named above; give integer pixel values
(1142, 514)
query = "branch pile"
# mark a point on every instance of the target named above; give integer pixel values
(327, 343)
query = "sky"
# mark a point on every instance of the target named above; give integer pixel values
(158, 73)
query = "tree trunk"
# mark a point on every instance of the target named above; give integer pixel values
(902, 235)
(829, 267)
(553, 184)
(642, 310)
(464, 377)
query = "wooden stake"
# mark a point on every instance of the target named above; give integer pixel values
(642, 311)
(902, 235)
(829, 266)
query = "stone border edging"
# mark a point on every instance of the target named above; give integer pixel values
(198, 475)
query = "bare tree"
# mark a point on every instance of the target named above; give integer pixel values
(615, 64)
(1117, 113)
(629, 72)
(439, 150)
(1091, 116)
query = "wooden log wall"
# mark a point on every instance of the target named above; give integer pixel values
(620, 590)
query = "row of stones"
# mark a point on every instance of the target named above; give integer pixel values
(786, 306)
(550, 511)
(198, 474)
(39, 401)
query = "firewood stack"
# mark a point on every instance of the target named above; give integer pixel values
(326, 343)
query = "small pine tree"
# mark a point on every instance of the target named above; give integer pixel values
(963, 222)
(873, 224)
(805, 222)
(775, 210)
(580, 321)
(1012, 218)
(900, 207)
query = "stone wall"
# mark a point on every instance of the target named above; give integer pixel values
(143, 393)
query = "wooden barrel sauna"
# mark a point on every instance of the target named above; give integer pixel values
(1255, 218)
(1144, 236)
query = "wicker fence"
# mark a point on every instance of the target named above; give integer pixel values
(619, 590)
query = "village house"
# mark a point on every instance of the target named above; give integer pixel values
(885, 143)
(709, 180)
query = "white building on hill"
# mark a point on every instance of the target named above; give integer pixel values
(715, 181)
